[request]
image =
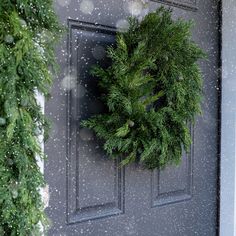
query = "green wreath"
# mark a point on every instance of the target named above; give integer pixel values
(153, 91)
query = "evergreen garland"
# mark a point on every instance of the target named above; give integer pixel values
(152, 90)
(28, 30)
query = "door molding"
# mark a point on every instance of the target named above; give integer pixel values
(228, 120)
(191, 5)
(77, 210)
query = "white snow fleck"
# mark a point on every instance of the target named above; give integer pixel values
(64, 3)
(122, 25)
(98, 52)
(2, 121)
(9, 38)
(87, 6)
(68, 82)
(23, 23)
(135, 7)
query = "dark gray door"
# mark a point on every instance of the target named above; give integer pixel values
(90, 194)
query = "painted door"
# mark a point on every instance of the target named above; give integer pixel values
(90, 194)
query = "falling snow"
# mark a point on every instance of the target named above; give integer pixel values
(122, 25)
(87, 188)
(87, 6)
(9, 39)
(68, 82)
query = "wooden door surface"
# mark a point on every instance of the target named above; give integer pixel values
(89, 193)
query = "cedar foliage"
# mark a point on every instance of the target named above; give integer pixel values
(28, 31)
(153, 90)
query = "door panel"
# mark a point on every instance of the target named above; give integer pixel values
(95, 183)
(173, 184)
(89, 193)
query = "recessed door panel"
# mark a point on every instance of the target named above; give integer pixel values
(95, 182)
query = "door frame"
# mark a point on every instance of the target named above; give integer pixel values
(227, 112)
(227, 211)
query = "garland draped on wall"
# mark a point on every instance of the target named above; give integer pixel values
(28, 31)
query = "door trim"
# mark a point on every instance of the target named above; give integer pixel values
(228, 121)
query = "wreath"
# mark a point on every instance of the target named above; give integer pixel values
(152, 90)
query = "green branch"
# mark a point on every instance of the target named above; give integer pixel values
(26, 53)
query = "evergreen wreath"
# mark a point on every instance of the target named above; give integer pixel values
(152, 90)
(28, 31)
